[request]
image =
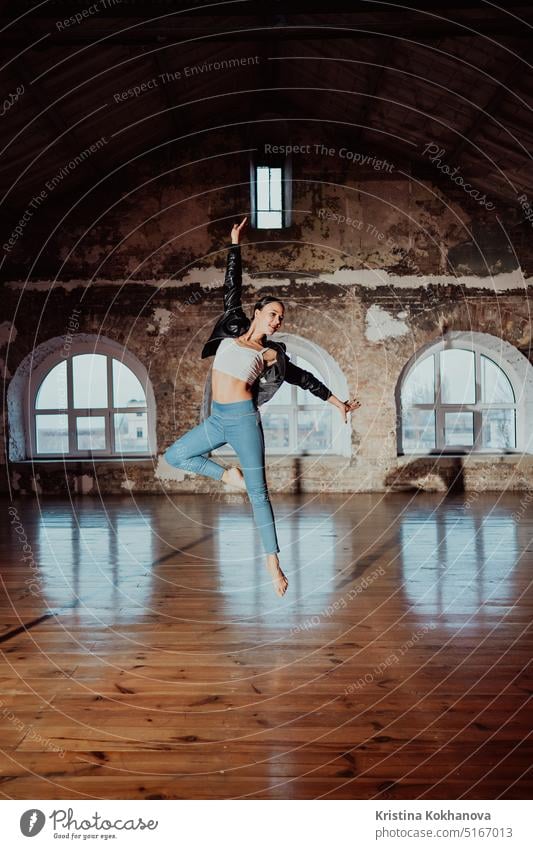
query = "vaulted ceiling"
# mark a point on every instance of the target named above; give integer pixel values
(396, 76)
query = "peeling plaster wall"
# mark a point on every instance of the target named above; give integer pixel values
(380, 324)
(389, 266)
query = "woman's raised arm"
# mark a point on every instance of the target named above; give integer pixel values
(236, 231)
(233, 278)
(308, 380)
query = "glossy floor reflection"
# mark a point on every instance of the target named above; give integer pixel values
(145, 655)
(463, 565)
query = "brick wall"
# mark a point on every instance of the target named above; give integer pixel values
(375, 265)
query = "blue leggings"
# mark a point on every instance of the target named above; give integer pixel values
(238, 423)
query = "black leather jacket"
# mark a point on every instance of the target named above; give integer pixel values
(234, 322)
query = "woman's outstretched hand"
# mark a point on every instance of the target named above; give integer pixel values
(349, 406)
(236, 231)
(345, 407)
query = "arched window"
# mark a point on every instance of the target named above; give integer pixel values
(296, 422)
(93, 399)
(469, 392)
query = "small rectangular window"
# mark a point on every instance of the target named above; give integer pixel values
(270, 189)
(269, 206)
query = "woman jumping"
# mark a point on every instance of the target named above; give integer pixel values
(247, 370)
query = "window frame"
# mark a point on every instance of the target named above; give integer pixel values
(111, 350)
(284, 162)
(293, 409)
(480, 344)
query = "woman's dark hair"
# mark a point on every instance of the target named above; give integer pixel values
(266, 299)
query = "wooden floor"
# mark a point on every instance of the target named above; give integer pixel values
(145, 655)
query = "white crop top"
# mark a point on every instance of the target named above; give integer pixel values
(238, 360)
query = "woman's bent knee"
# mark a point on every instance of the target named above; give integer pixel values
(173, 457)
(169, 458)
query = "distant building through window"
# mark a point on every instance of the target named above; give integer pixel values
(89, 403)
(462, 396)
(94, 400)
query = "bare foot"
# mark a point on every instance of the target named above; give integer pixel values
(278, 578)
(234, 477)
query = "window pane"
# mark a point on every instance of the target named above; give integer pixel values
(495, 385)
(52, 392)
(314, 430)
(90, 380)
(275, 188)
(276, 430)
(269, 219)
(90, 433)
(419, 387)
(499, 429)
(262, 187)
(131, 433)
(268, 189)
(127, 388)
(418, 430)
(459, 429)
(52, 434)
(457, 374)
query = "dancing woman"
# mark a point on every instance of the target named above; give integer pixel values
(248, 369)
